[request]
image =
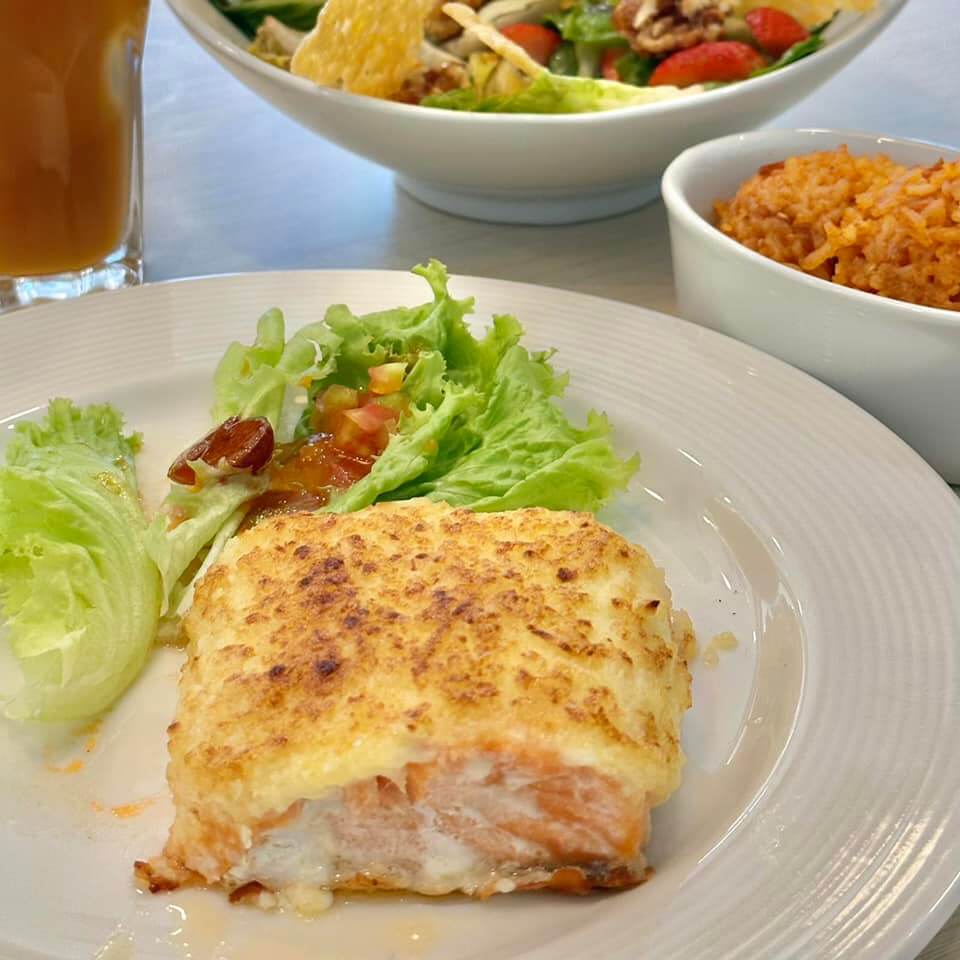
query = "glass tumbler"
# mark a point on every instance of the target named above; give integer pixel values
(70, 147)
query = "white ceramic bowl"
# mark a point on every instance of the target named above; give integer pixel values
(521, 168)
(899, 361)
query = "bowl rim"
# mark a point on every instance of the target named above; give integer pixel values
(871, 22)
(675, 199)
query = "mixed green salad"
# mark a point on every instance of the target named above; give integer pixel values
(343, 413)
(560, 56)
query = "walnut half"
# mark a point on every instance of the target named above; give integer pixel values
(662, 26)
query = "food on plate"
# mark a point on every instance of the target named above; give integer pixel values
(721, 643)
(722, 61)
(351, 410)
(534, 56)
(80, 595)
(860, 221)
(390, 405)
(419, 697)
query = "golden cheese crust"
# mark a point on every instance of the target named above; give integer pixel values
(327, 649)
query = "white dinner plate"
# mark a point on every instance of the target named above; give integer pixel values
(818, 815)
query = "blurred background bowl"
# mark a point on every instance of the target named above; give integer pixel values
(529, 168)
(899, 361)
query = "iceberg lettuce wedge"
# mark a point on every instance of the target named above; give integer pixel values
(80, 594)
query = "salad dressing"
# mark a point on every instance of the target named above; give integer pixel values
(304, 474)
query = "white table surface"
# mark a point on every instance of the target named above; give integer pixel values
(232, 185)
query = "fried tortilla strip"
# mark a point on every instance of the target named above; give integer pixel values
(513, 53)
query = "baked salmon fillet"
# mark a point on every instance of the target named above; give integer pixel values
(415, 697)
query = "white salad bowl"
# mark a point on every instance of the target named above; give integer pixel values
(899, 361)
(530, 168)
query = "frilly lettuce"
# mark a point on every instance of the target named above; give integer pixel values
(260, 380)
(527, 453)
(410, 453)
(79, 592)
(484, 429)
(257, 381)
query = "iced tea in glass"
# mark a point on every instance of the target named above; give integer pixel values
(70, 147)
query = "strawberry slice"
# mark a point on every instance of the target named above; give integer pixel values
(722, 61)
(540, 42)
(775, 30)
(608, 63)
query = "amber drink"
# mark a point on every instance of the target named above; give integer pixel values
(70, 147)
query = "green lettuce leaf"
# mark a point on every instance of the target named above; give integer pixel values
(410, 453)
(564, 60)
(527, 453)
(261, 380)
(481, 428)
(80, 594)
(635, 68)
(550, 93)
(249, 14)
(799, 50)
(497, 440)
(189, 522)
(401, 333)
(588, 23)
(246, 382)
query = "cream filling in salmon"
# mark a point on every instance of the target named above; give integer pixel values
(480, 824)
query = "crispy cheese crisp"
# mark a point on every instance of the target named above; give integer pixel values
(415, 697)
(363, 46)
(808, 12)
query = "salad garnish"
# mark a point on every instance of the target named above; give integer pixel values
(347, 411)
(534, 56)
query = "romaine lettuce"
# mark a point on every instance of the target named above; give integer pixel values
(550, 93)
(80, 594)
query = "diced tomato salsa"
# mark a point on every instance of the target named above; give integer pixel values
(351, 429)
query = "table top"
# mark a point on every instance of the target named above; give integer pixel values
(233, 185)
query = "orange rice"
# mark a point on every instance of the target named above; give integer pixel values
(864, 222)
